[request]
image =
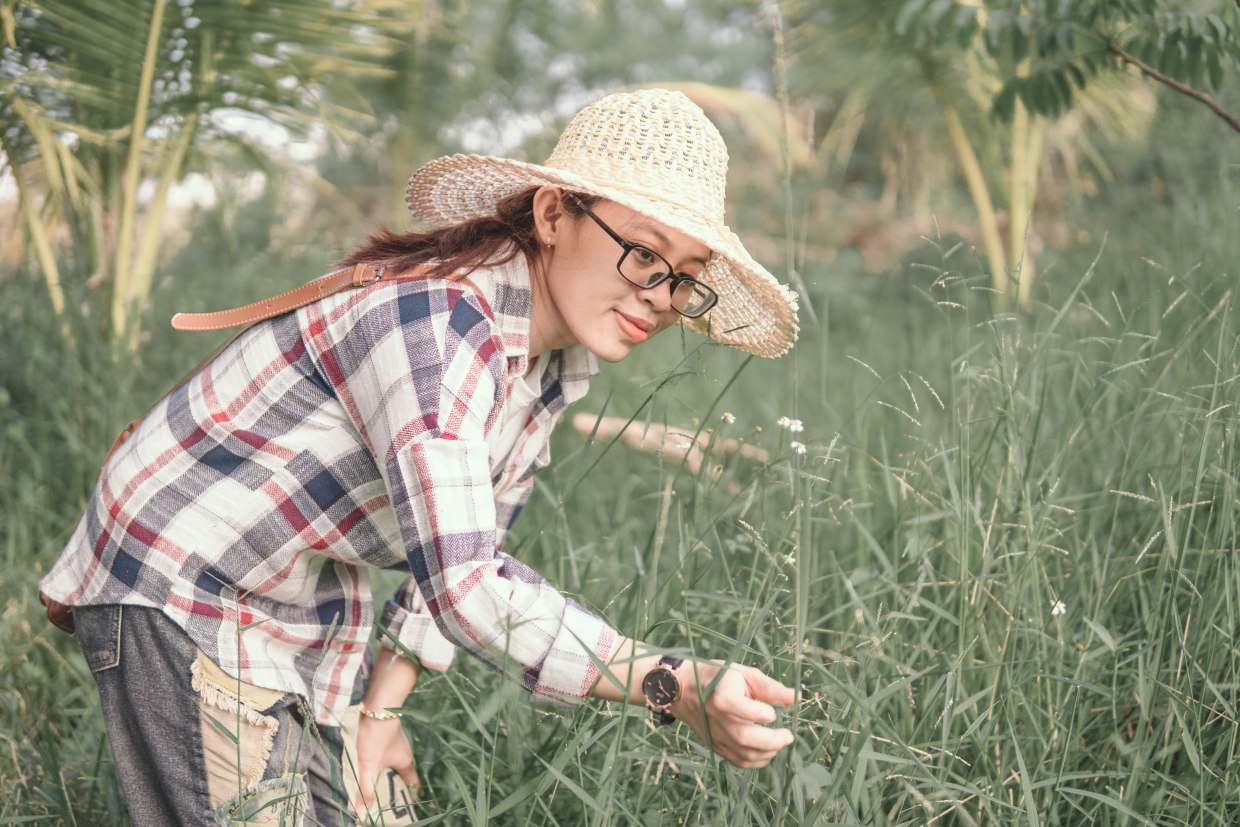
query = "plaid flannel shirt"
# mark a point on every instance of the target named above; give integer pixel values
(251, 502)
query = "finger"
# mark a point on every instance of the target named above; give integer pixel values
(732, 701)
(765, 688)
(748, 759)
(367, 777)
(756, 757)
(760, 760)
(759, 738)
(743, 744)
(409, 777)
(371, 775)
(734, 696)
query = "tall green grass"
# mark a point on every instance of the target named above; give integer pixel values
(963, 477)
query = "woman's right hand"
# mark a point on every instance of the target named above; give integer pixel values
(732, 719)
(382, 745)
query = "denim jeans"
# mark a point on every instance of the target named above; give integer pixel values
(194, 746)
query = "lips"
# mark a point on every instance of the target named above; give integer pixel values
(638, 330)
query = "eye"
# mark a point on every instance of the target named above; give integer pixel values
(646, 257)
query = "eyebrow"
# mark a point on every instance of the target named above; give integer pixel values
(666, 242)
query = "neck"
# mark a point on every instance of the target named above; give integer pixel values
(547, 330)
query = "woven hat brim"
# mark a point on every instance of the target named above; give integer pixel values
(755, 312)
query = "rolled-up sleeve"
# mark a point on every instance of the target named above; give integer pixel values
(414, 628)
(419, 369)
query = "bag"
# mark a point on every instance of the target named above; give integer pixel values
(362, 275)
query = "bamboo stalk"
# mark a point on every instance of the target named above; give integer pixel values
(148, 245)
(971, 168)
(840, 139)
(781, 75)
(1020, 212)
(123, 295)
(34, 223)
(1033, 162)
(39, 240)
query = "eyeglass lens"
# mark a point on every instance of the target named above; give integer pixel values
(646, 268)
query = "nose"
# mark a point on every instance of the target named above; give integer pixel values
(658, 297)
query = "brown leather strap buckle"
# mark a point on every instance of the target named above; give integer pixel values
(366, 274)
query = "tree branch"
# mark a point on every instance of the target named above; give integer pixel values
(1182, 88)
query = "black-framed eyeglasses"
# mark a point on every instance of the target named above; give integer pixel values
(645, 268)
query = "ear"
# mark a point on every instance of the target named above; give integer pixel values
(549, 215)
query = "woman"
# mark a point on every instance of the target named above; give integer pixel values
(219, 580)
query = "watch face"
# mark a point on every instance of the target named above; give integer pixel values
(660, 687)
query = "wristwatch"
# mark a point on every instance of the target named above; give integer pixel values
(662, 688)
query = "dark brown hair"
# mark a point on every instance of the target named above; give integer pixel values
(464, 247)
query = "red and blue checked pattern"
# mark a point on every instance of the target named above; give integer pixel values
(251, 503)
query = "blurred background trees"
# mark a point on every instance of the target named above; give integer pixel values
(107, 105)
(996, 86)
(905, 118)
(1007, 553)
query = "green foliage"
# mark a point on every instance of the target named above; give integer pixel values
(996, 80)
(81, 63)
(99, 99)
(1068, 43)
(963, 475)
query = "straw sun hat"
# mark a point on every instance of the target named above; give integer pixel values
(656, 152)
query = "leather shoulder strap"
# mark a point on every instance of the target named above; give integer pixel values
(251, 314)
(297, 298)
(278, 305)
(286, 302)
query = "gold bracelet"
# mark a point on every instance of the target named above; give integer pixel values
(378, 716)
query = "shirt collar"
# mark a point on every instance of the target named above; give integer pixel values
(507, 288)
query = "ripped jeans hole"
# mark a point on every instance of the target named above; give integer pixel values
(238, 734)
(276, 802)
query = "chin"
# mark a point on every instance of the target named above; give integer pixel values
(611, 348)
(613, 353)
(607, 348)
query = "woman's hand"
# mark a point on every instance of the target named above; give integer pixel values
(731, 721)
(382, 745)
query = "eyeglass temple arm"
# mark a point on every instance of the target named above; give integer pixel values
(626, 245)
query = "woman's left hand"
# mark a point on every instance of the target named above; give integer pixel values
(382, 745)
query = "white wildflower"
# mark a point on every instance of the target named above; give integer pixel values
(798, 447)
(793, 425)
(1058, 608)
(728, 417)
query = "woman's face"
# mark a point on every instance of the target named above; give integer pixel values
(584, 299)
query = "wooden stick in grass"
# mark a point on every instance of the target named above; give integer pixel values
(676, 443)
